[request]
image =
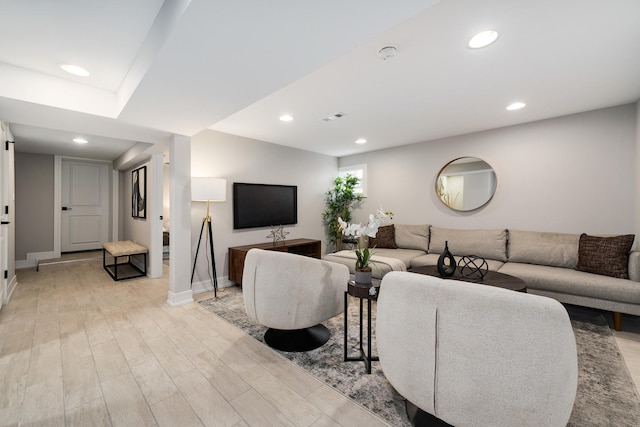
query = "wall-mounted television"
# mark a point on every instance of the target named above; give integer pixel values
(264, 205)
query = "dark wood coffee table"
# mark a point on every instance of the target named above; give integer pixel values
(492, 278)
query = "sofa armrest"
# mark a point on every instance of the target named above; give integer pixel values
(634, 266)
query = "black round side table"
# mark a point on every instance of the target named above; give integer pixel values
(362, 292)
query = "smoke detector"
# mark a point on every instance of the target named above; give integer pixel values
(387, 52)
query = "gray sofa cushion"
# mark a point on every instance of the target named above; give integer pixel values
(489, 244)
(533, 247)
(412, 236)
(378, 270)
(404, 255)
(634, 266)
(570, 281)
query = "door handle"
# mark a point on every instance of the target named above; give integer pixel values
(64, 208)
(5, 223)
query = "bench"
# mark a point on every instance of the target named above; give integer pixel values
(122, 249)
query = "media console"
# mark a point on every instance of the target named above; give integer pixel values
(307, 247)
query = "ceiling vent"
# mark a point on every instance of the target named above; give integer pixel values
(387, 52)
(333, 117)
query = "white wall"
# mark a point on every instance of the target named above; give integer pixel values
(239, 159)
(136, 229)
(570, 174)
(34, 203)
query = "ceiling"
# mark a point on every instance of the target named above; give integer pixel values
(160, 68)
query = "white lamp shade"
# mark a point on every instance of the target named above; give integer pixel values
(212, 189)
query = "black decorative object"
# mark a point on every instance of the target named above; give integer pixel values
(473, 267)
(446, 270)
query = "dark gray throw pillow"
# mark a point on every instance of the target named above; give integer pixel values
(385, 238)
(608, 256)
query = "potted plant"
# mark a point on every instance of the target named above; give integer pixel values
(358, 232)
(339, 201)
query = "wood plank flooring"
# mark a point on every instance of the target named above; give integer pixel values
(78, 349)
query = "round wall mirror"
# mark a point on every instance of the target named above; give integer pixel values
(466, 184)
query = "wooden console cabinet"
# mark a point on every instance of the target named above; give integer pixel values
(307, 247)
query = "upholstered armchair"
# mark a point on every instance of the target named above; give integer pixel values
(291, 294)
(475, 355)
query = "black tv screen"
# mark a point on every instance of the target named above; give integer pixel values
(264, 205)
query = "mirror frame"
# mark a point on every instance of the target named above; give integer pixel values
(442, 197)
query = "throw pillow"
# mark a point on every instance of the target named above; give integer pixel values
(608, 256)
(385, 238)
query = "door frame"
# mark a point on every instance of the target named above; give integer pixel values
(4, 230)
(57, 200)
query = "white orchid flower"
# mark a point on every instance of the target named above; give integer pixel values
(358, 230)
(349, 229)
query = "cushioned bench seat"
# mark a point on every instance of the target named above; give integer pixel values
(128, 269)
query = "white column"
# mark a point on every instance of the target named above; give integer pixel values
(180, 222)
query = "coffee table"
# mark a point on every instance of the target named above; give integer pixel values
(492, 278)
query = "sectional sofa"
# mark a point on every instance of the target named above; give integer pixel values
(591, 271)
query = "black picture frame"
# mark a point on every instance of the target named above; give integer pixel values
(139, 192)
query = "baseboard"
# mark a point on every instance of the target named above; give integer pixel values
(207, 286)
(33, 258)
(181, 298)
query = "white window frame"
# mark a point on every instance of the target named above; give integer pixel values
(357, 170)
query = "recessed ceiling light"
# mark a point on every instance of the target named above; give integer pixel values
(361, 141)
(80, 141)
(482, 39)
(75, 70)
(286, 118)
(516, 106)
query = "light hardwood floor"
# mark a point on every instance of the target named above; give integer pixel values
(78, 349)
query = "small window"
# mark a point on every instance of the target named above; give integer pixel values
(359, 171)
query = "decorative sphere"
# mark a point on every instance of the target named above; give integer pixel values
(473, 267)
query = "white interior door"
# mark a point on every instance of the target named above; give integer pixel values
(85, 205)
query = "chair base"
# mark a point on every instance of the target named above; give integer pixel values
(420, 418)
(297, 340)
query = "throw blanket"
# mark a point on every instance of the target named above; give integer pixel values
(393, 263)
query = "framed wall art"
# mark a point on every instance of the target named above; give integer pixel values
(139, 192)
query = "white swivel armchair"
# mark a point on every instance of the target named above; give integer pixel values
(475, 355)
(291, 294)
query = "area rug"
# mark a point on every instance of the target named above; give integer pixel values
(606, 395)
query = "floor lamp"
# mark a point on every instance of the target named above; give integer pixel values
(209, 190)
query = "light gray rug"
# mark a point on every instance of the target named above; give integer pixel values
(606, 395)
